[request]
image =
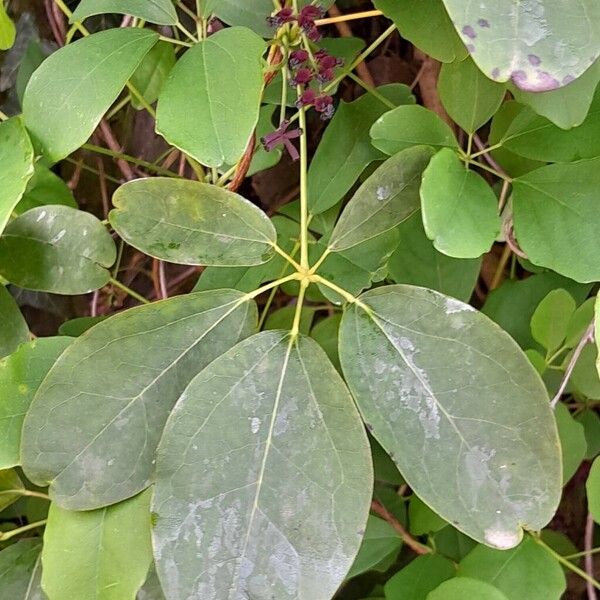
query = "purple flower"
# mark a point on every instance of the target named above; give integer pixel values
(282, 136)
(308, 97)
(325, 75)
(308, 15)
(285, 15)
(297, 58)
(302, 77)
(324, 105)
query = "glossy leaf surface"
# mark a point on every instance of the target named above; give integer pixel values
(192, 223)
(206, 114)
(73, 88)
(460, 408)
(57, 249)
(125, 374)
(277, 509)
(520, 41)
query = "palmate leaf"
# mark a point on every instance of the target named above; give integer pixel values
(458, 405)
(100, 554)
(72, 89)
(94, 424)
(206, 114)
(192, 223)
(538, 45)
(264, 477)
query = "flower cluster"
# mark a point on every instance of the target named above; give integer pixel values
(305, 19)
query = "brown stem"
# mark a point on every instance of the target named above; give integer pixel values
(589, 557)
(111, 141)
(385, 514)
(54, 26)
(430, 70)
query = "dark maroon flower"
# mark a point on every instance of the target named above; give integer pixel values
(282, 136)
(308, 97)
(324, 105)
(285, 15)
(326, 61)
(302, 76)
(297, 58)
(325, 75)
(308, 15)
(312, 33)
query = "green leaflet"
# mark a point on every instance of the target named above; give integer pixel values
(535, 137)
(192, 223)
(550, 320)
(16, 158)
(568, 106)
(417, 363)
(125, 375)
(388, 197)
(346, 150)
(419, 577)
(417, 262)
(161, 12)
(516, 572)
(278, 507)
(45, 188)
(100, 554)
(207, 115)
(14, 330)
(459, 208)
(57, 249)
(460, 588)
(9, 482)
(20, 376)
(408, 126)
(152, 73)
(20, 568)
(593, 490)
(72, 89)
(469, 97)
(418, 19)
(556, 219)
(572, 441)
(518, 41)
(380, 547)
(7, 29)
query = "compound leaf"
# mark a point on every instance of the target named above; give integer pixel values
(458, 405)
(278, 507)
(192, 223)
(72, 89)
(125, 374)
